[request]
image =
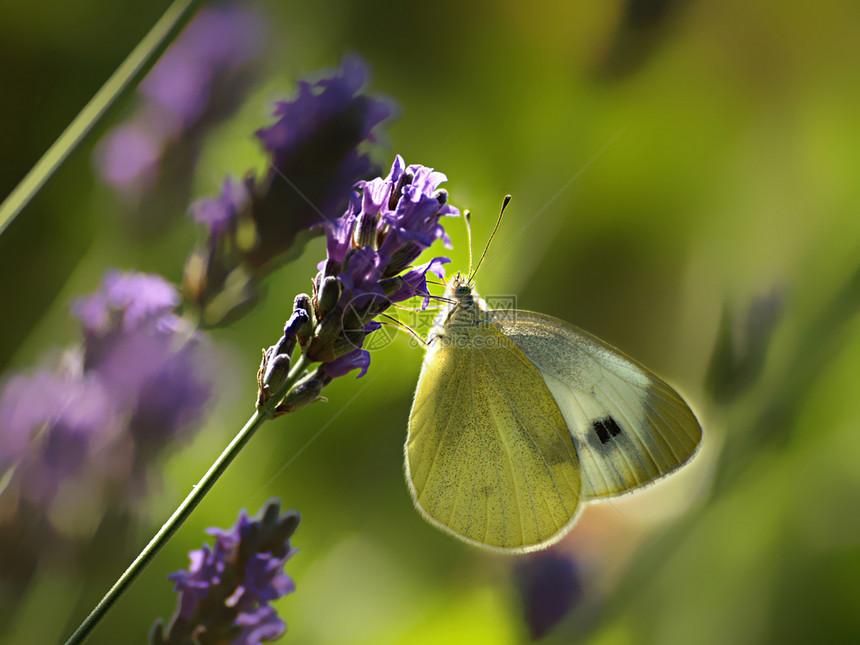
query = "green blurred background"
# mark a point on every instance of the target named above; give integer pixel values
(671, 163)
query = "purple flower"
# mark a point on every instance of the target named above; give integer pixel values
(199, 81)
(228, 587)
(371, 248)
(140, 382)
(331, 111)
(415, 281)
(218, 43)
(316, 151)
(129, 157)
(356, 359)
(125, 302)
(55, 427)
(154, 367)
(221, 214)
(549, 584)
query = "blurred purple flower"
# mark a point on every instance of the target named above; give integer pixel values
(323, 126)
(549, 584)
(125, 302)
(129, 157)
(217, 43)
(154, 366)
(221, 214)
(226, 591)
(141, 382)
(54, 428)
(316, 152)
(199, 81)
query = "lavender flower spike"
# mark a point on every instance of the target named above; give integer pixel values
(371, 250)
(275, 366)
(72, 434)
(550, 585)
(317, 153)
(199, 81)
(53, 429)
(146, 356)
(225, 595)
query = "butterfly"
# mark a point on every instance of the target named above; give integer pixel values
(520, 419)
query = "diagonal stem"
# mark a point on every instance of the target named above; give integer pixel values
(132, 69)
(179, 516)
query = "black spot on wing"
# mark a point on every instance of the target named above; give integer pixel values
(606, 428)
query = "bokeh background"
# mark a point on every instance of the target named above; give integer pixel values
(684, 181)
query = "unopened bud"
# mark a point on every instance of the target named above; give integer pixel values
(276, 371)
(390, 285)
(303, 393)
(303, 302)
(288, 341)
(329, 296)
(405, 179)
(330, 326)
(353, 318)
(402, 258)
(332, 267)
(364, 233)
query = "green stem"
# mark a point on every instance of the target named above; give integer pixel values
(259, 417)
(132, 69)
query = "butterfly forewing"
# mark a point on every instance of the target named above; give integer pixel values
(629, 427)
(488, 456)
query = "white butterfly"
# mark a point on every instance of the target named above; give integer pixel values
(520, 418)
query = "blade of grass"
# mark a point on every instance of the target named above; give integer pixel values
(127, 75)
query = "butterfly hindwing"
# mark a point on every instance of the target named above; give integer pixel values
(629, 427)
(488, 455)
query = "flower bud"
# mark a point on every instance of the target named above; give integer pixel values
(390, 285)
(287, 342)
(405, 179)
(402, 258)
(364, 233)
(277, 369)
(329, 296)
(304, 392)
(303, 302)
(332, 267)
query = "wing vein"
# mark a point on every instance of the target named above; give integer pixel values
(537, 450)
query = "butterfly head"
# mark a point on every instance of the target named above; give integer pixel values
(463, 309)
(464, 306)
(461, 293)
(460, 288)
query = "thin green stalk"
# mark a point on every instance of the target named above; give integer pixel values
(128, 74)
(176, 520)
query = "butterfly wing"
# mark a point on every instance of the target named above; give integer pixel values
(488, 455)
(629, 427)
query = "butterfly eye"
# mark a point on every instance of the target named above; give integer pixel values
(464, 290)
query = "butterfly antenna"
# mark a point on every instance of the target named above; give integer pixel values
(401, 326)
(467, 217)
(492, 235)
